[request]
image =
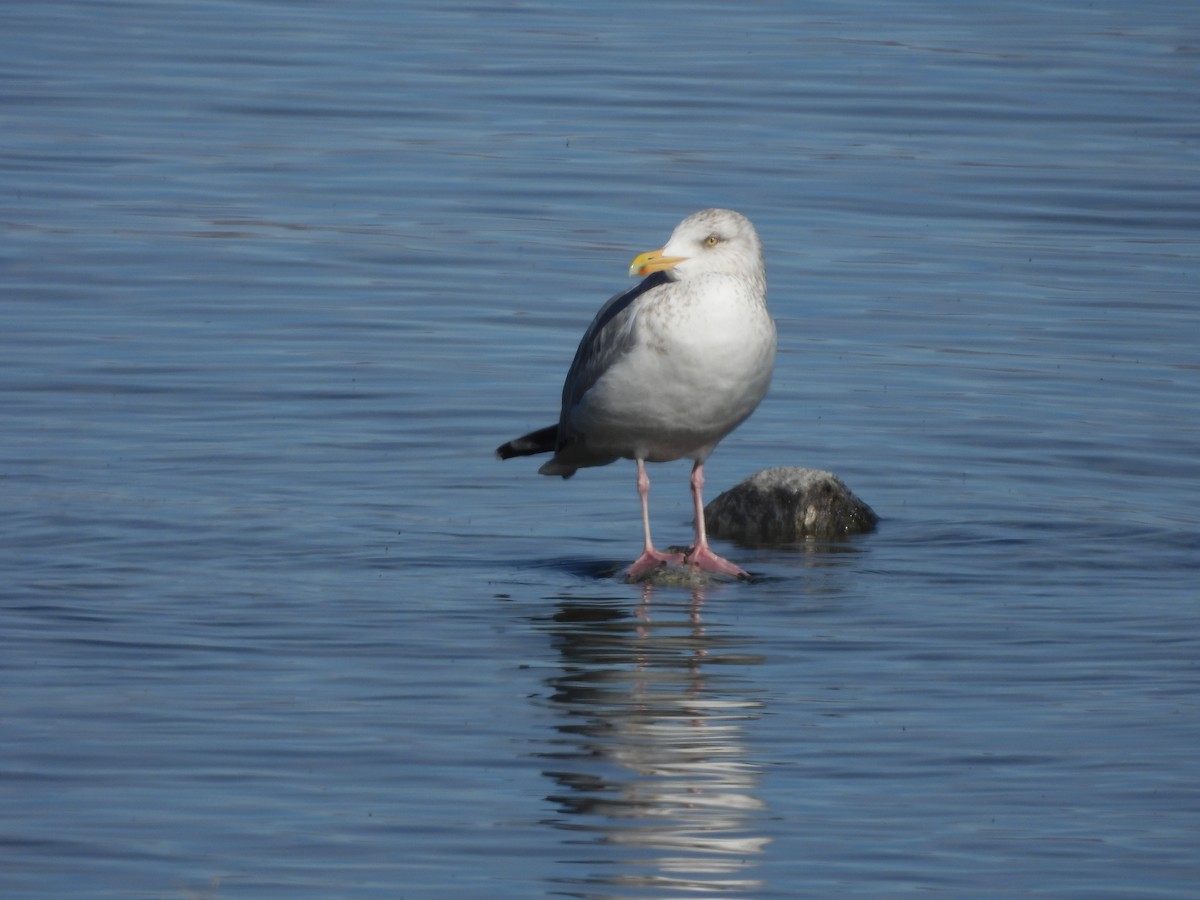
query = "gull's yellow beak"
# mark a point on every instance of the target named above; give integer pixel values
(653, 261)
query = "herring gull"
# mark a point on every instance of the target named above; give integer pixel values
(669, 368)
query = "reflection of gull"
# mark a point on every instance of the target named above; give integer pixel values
(655, 760)
(669, 368)
(690, 773)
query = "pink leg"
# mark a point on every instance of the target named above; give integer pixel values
(701, 555)
(650, 558)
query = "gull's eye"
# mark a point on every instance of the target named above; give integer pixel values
(711, 241)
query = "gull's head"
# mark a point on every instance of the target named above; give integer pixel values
(712, 241)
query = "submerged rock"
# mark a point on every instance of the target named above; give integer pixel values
(788, 504)
(680, 576)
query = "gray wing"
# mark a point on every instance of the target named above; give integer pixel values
(606, 340)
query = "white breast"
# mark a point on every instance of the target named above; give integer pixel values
(699, 363)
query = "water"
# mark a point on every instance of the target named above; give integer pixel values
(277, 278)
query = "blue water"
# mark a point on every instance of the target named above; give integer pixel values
(275, 279)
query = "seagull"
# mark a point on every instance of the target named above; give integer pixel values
(667, 369)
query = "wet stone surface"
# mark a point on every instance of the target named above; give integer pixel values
(786, 504)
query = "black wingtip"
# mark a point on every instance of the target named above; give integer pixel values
(507, 451)
(541, 441)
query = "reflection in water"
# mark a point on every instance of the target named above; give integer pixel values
(650, 764)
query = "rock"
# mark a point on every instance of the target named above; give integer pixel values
(788, 504)
(681, 576)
